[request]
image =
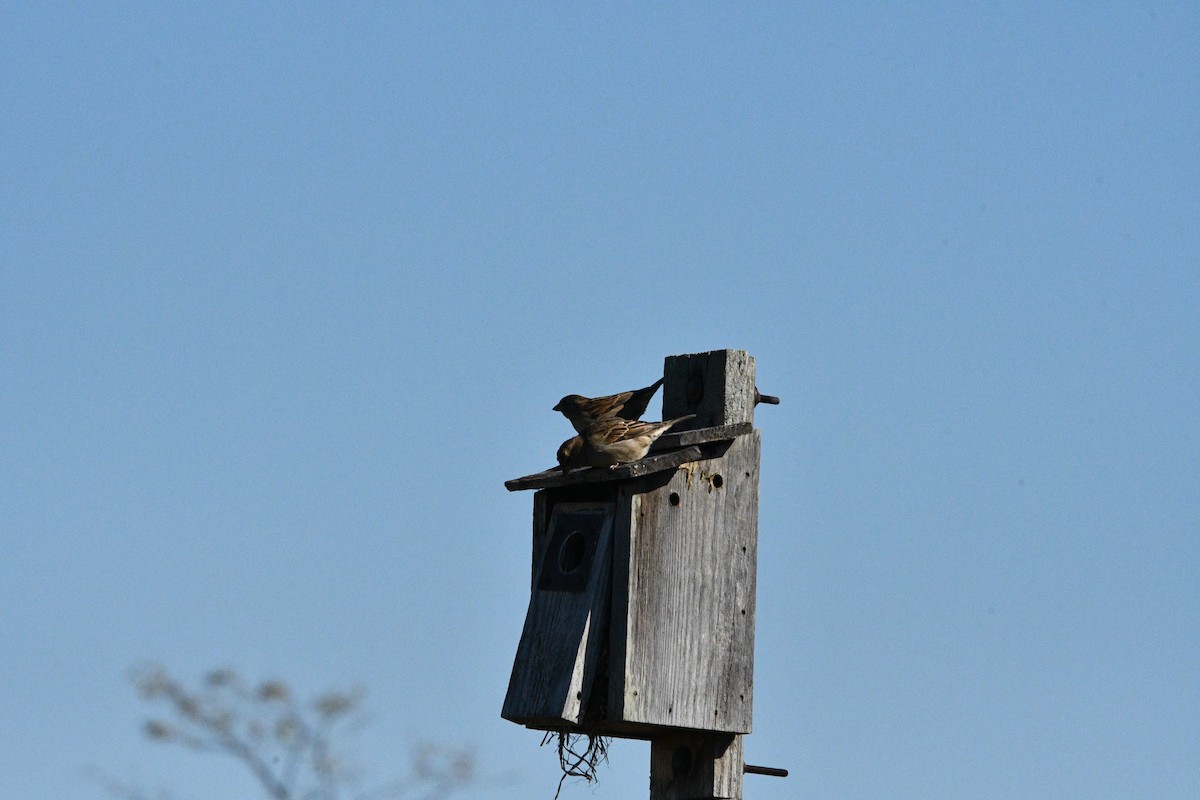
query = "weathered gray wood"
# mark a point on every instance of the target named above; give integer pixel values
(650, 464)
(682, 652)
(541, 535)
(719, 433)
(716, 386)
(696, 766)
(558, 657)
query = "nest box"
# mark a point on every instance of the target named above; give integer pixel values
(641, 613)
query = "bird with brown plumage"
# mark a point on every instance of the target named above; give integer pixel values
(583, 411)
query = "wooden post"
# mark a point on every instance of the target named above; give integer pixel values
(696, 766)
(719, 387)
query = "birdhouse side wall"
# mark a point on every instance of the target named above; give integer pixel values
(682, 652)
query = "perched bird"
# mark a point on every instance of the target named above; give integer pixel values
(583, 411)
(610, 441)
(570, 454)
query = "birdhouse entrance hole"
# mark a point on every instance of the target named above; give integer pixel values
(567, 562)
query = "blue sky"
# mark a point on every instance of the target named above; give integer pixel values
(288, 291)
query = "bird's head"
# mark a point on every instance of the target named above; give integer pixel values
(569, 453)
(569, 403)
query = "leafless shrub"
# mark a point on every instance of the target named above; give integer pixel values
(289, 747)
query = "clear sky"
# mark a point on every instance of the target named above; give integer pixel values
(287, 292)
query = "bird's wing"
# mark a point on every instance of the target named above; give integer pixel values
(625, 429)
(637, 401)
(607, 406)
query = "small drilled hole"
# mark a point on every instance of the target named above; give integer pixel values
(674, 498)
(718, 481)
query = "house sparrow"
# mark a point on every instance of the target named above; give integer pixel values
(583, 411)
(610, 441)
(570, 454)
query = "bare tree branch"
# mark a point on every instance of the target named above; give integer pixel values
(289, 749)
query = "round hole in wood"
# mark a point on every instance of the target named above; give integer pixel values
(718, 481)
(572, 551)
(673, 498)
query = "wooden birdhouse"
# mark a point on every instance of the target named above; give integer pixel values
(641, 614)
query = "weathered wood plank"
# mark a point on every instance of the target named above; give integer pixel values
(716, 386)
(554, 477)
(718, 433)
(541, 535)
(558, 657)
(696, 766)
(683, 609)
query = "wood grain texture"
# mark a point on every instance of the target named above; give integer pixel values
(554, 477)
(696, 766)
(682, 652)
(558, 657)
(719, 433)
(541, 535)
(716, 386)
